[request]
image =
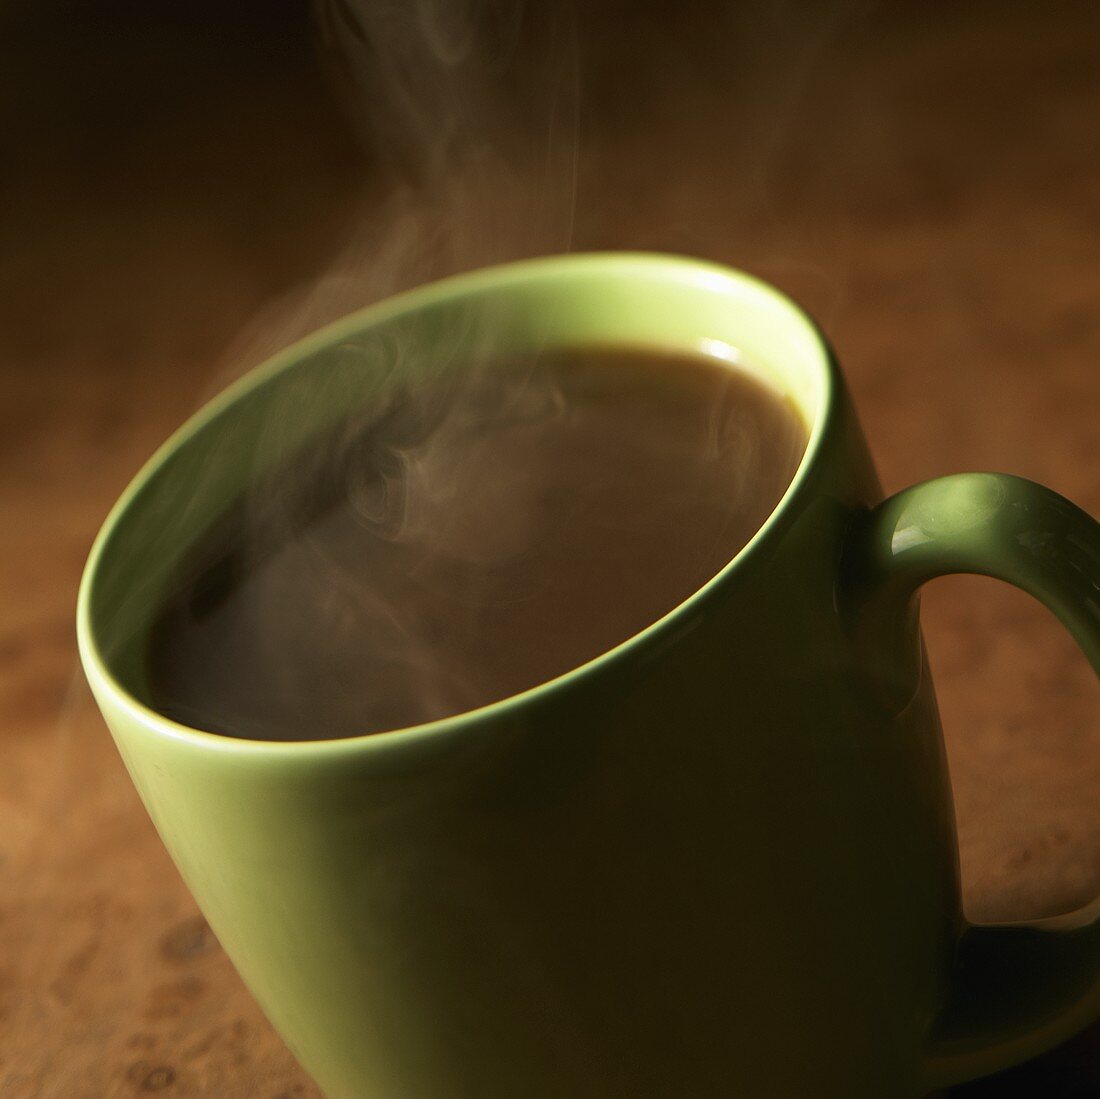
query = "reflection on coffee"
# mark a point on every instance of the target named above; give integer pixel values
(467, 539)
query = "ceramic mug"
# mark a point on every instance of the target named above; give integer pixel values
(719, 859)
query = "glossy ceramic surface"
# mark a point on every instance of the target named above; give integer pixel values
(718, 860)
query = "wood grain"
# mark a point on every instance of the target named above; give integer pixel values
(926, 179)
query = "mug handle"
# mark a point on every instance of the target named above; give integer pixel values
(1018, 988)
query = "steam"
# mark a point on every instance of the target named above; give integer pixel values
(470, 112)
(432, 486)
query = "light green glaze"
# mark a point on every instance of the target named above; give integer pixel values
(719, 860)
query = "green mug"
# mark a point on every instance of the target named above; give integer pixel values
(717, 860)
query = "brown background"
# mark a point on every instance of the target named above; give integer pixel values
(180, 194)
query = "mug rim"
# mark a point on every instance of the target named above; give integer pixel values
(613, 265)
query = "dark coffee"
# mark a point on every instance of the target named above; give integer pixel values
(469, 538)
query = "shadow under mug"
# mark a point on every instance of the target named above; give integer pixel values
(718, 860)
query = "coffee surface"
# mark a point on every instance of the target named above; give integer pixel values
(468, 538)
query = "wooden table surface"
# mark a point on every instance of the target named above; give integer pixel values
(179, 196)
